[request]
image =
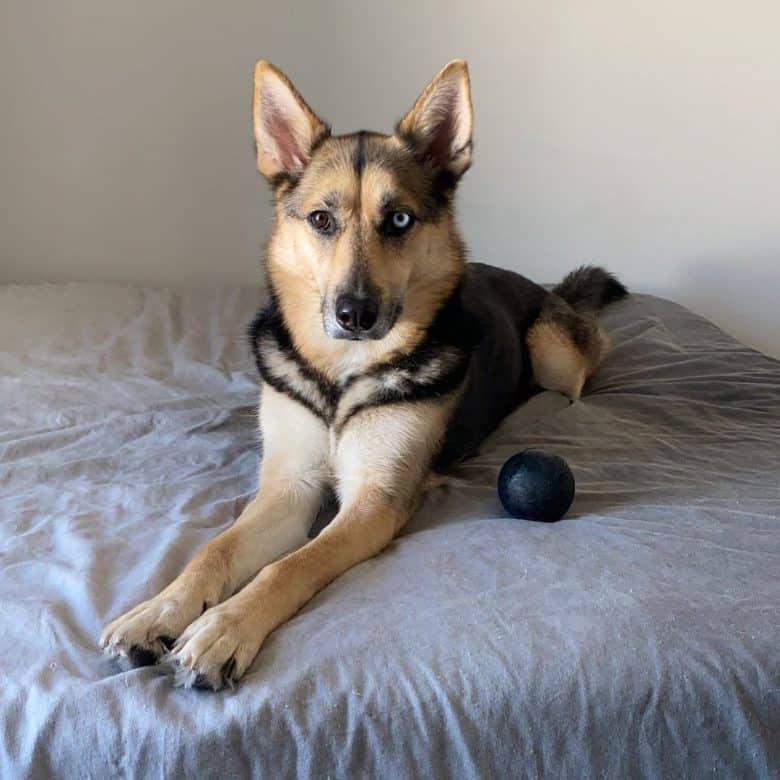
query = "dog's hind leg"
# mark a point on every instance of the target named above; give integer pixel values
(565, 346)
(293, 476)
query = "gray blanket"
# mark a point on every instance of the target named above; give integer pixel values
(637, 637)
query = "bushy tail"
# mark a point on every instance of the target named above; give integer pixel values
(590, 288)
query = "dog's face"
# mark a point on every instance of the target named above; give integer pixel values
(364, 234)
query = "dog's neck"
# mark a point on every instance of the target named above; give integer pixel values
(434, 367)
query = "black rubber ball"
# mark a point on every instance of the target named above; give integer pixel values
(534, 485)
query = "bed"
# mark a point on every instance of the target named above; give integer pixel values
(637, 637)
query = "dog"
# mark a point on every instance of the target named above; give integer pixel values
(384, 359)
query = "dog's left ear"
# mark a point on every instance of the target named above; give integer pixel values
(285, 127)
(440, 122)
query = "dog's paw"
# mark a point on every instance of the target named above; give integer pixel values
(215, 650)
(143, 635)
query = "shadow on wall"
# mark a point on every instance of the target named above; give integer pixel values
(738, 292)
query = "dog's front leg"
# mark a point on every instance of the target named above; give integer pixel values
(382, 459)
(293, 475)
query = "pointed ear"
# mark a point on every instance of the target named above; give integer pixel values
(285, 127)
(440, 122)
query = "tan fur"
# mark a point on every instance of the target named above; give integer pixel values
(305, 273)
(379, 482)
(272, 89)
(377, 458)
(559, 362)
(451, 84)
(293, 475)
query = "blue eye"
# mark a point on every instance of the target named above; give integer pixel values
(397, 222)
(401, 220)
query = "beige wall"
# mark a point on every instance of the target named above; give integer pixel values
(645, 136)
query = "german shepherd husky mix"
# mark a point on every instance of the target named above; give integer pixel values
(384, 359)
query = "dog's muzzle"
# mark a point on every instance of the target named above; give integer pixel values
(356, 315)
(359, 318)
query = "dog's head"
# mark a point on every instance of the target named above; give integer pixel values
(364, 237)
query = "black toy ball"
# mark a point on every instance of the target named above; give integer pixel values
(534, 485)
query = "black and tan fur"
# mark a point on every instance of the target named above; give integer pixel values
(384, 359)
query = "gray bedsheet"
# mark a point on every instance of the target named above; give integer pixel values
(638, 637)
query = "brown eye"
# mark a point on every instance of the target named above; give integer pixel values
(322, 221)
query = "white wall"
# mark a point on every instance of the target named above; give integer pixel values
(645, 136)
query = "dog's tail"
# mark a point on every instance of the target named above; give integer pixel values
(589, 289)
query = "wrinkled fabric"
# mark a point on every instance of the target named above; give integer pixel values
(638, 636)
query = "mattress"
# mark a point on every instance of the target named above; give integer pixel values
(636, 637)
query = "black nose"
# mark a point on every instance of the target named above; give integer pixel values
(356, 314)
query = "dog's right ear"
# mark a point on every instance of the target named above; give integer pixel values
(286, 129)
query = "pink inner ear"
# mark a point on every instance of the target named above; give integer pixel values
(444, 129)
(440, 147)
(279, 129)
